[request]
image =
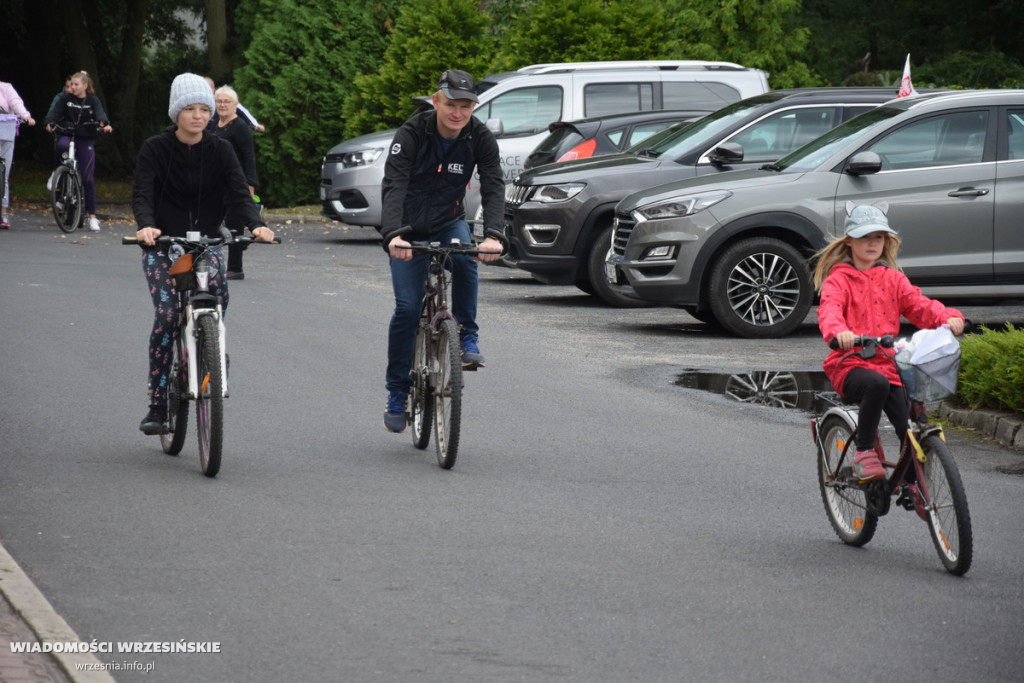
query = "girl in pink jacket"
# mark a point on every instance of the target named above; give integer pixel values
(12, 112)
(864, 292)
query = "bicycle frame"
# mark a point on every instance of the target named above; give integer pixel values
(198, 304)
(909, 451)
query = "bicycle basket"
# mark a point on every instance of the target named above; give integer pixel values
(183, 274)
(931, 380)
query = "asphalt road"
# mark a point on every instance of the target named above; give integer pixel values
(601, 524)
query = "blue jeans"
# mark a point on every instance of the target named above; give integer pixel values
(408, 279)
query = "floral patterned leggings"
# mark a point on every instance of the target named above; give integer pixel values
(156, 264)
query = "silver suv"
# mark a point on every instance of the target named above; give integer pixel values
(558, 218)
(734, 247)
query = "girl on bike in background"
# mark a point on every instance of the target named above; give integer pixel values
(185, 180)
(864, 292)
(81, 110)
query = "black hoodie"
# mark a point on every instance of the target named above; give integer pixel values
(180, 187)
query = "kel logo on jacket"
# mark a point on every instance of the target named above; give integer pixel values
(455, 168)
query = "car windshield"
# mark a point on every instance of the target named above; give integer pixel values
(703, 131)
(814, 153)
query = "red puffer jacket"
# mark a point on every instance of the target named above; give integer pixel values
(870, 302)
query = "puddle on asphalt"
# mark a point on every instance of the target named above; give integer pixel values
(776, 389)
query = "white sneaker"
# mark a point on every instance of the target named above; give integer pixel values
(49, 181)
(94, 225)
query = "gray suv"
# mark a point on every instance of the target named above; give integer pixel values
(734, 247)
(558, 218)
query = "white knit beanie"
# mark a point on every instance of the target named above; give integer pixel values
(186, 90)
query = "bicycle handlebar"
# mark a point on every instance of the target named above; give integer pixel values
(454, 247)
(865, 341)
(56, 127)
(225, 238)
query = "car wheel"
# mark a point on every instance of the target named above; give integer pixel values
(611, 294)
(760, 288)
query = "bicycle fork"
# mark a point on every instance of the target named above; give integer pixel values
(198, 386)
(208, 306)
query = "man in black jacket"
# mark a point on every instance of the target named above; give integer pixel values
(431, 161)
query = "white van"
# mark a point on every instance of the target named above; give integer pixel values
(519, 105)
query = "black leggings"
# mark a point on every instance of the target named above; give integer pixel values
(874, 393)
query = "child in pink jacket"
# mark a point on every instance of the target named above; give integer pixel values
(11, 107)
(864, 292)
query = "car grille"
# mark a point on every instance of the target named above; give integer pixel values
(623, 228)
(517, 194)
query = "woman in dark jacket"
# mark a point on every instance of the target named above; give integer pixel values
(233, 128)
(185, 180)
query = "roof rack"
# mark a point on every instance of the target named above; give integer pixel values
(662, 65)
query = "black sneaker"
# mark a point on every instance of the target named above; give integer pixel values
(155, 421)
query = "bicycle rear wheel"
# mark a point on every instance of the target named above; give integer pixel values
(448, 394)
(949, 520)
(421, 402)
(67, 199)
(210, 401)
(177, 405)
(845, 505)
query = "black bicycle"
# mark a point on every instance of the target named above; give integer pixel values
(67, 198)
(924, 479)
(436, 394)
(199, 369)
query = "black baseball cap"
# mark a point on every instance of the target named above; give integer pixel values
(457, 85)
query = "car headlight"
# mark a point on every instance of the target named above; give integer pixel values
(550, 194)
(363, 157)
(676, 207)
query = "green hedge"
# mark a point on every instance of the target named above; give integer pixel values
(992, 369)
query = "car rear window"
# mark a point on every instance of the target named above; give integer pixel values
(708, 95)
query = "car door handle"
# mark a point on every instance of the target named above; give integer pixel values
(968, 192)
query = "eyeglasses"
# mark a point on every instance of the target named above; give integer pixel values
(225, 101)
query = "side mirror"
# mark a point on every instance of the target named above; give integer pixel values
(726, 153)
(864, 163)
(496, 127)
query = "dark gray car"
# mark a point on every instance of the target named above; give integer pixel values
(558, 218)
(734, 247)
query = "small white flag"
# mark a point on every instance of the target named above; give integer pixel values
(906, 87)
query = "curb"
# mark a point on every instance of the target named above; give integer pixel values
(1005, 427)
(38, 614)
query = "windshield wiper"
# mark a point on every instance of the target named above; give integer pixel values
(648, 152)
(770, 167)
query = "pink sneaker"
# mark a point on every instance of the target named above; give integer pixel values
(867, 466)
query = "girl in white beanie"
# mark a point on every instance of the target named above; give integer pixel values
(185, 180)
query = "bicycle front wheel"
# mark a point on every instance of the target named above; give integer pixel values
(448, 394)
(845, 504)
(177, 405)
(67, 199)
(949, 520)
(210, 401)
(421, 402)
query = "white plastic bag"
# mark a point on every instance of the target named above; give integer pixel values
(929, 364)
(931, 345)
